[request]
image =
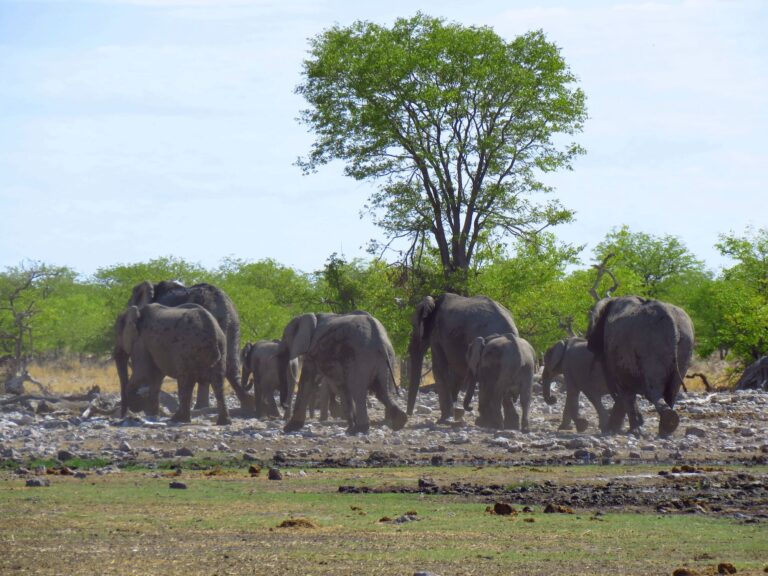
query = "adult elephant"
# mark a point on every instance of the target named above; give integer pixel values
(353, 352)
(218, 304)
(645, 347)
(449, 324)
(260, 360)
(185, 343)
(503, 365)
(581, 374)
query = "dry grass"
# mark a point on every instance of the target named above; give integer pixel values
(718, 372)
(75, 376)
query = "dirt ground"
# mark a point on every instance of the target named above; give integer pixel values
(716, 429)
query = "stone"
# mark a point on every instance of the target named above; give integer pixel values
(184, 451)
(274, 474)
(64, 455)
(125, 447)
(38, 483)
(575, 443)
(584, 454)
(695, 431)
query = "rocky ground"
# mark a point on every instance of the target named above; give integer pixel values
(717, 429)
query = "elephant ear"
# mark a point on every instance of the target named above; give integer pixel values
(474, 354)
(422, 321)
(131, 328)
(142, 294)
(596, 329)
(553, 358)
(246, 351)
(303, 328)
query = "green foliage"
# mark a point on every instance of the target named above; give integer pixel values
(733, 309)
(659, 262)
(456, 123)
(375, 287)
(51, 310)
(23, 292)
(266, 295)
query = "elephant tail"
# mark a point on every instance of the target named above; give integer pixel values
(676, 379)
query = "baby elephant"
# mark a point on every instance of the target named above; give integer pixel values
(260, 360)
(503, 365)
(582, 373)
(183, 342)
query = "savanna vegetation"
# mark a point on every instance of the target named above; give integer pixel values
(53, 312)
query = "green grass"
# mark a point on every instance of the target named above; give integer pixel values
(133, 522)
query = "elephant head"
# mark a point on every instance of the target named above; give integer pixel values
(422, 322)
(553, 365)
(297, 336)
(146, 292)
(474, 354)
(296, 341)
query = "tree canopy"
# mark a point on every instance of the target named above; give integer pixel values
(456, 124)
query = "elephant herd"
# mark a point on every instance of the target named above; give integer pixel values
(634, 346)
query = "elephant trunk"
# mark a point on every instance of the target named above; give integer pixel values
(245, 375)
(416, 361)
(121, 363)
(546, 383)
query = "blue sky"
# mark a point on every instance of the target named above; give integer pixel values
(132, 129)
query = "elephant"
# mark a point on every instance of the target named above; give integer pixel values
(449, 324)
(503, 365)
(217, 303)
(646, 347)
(260, 360)
(353, 352)
(183, 342)
(329, 400)
(582, 374)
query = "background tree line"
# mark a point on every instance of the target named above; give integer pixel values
(53, 311)
(456, 128)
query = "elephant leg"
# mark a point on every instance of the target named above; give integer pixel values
(393, 414)
(270, 404)
(633, 413)
(602, 414)
(358, 399)
(571, 408)
(221, 404)
(247, 401)
(668, 418)
(203, 396)
(152, 405)
(511, 418)
(469, 394)
(324, 398)
(307, 388)
(525, 406)
(447, 389)
(183, 414)
(336, 405)
(616, 418)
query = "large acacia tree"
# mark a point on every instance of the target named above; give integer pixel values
(456, 124)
